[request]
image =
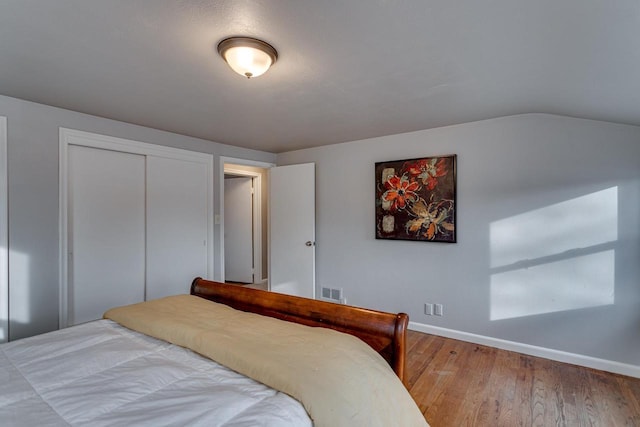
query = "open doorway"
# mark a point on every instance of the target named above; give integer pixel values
(284, 237)
(244, 225)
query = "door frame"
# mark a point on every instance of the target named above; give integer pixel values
(92, 140)
(257, 209)
(4, 235)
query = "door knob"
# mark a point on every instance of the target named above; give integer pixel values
(310, 243)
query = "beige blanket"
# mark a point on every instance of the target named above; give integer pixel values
(338, 378)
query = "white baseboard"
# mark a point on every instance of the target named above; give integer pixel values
(531, 350)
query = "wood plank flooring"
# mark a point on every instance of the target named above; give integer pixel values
(462, 384)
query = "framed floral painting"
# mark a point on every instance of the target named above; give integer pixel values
(416, 199)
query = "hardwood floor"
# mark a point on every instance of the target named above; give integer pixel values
(462, 384)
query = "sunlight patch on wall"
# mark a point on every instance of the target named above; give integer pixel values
(556, 258)
(579, 282)
(20, 290)
(578, 223)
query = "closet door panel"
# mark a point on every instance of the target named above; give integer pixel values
(176, 225)
(106, 208)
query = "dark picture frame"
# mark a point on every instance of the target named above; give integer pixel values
(416, 199)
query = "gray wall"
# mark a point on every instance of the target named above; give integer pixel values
(509, 169)
(548, 232)
(32, 134)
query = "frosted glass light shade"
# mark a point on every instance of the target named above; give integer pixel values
(246, 56)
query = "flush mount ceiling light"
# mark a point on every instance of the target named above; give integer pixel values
(247, 56)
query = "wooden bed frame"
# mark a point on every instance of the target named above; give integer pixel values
(384, 332)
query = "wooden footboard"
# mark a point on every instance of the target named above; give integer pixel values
(384, 332)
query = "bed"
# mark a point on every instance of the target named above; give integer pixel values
(222, 356)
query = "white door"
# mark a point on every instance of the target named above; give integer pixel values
(292, 230)
(106, 224)
(238, 229)
(176, 225)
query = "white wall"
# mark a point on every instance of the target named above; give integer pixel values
(548, 233)
(32, 138)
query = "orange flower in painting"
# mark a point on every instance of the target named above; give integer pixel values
(399, 192)
(432, 219)
(428, 171)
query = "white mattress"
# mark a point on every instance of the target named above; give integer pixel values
(102, 374)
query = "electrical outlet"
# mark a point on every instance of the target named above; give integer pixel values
(438, 309)
(428, 309)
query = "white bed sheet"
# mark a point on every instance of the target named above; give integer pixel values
(102, 374)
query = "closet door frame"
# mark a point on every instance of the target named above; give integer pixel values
(4, 235)
(70, 137)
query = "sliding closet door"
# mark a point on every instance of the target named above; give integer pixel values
(176, 225)
(106, 212)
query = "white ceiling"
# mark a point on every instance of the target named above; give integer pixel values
(347, 70)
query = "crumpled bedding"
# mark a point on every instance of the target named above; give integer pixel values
(103, 374)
